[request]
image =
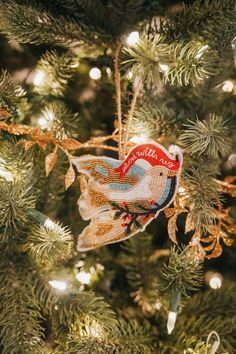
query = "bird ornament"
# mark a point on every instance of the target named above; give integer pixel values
(120, 198)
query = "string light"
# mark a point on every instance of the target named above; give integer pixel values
(228, 86)
(100, 267)
(95, 73)
(232, 160)
(108, 71)
(95, 329)
(43, 122)
(7, 175)
(215, 281)
(83, 277)
(139, 139)
(58, 284)
(157, 305)
(173, 310)
(182, 190)
(171, 321)
(129, 75)
(164, 67)
(201, 51)
(39, 78)
(94, 332)
(49, 224)
(133, 38)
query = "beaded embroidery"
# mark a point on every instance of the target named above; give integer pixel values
(122, 197)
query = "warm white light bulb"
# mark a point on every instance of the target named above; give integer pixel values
(49, 224)
(171, 321)
(215, 281)
(129, 75)
(95, 73)
(83, 277)
(157, 305)
(138, 139)
(6, 175)
(228, 86)
(50, 116)
(39, 78)
(58, 284)
(133, 38)
(201, 51)
(94, 332)
(182, 190)
(43, 122)
(164, 67)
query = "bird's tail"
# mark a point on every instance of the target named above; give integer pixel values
(102, 230)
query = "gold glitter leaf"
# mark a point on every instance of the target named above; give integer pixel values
(172, 228)
(228, 241)
(216, 252)
(169, 212)
(50, 161)
(28, 144)
(70, 177)
(70, 144)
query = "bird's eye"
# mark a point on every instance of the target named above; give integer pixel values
(161, 173)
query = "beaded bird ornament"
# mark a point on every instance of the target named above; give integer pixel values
(122, 197)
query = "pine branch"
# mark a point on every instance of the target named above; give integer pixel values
(44, 294)
(209, 137)
(49, 190)
(11, 95)
(21, 330)
(177, 63)
(59, 118)
(78, 306)
(213, 20)
(15, 202)
(15, 162)
(130, 337)
(211, 310)
(124, 14)
(56, 70)
(202, 191)
(50, 244)
(27, 23)
(182, 273)
(152, 118)
(142, 275)
(95, 11)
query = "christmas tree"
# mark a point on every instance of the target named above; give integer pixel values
(101, 100)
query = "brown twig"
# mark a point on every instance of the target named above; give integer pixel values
(131, 113)
(105, 147)
(118, 102)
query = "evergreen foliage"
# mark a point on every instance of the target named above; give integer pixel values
(58, 69)
(182, 273)
(208, 137)
(115, 299)
(49, 244)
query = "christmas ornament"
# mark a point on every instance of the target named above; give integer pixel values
(122, 197)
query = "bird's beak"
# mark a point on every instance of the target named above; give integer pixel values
(172, 173)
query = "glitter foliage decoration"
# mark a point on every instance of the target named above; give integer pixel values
(122, 197)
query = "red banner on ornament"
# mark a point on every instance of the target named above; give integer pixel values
(150, 153)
